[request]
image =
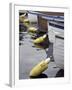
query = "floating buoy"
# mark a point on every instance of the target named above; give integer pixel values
(26, 22)
(32, 29)
(22, 17)
(40, 39)
(39, 68)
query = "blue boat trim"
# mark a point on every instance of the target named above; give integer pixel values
(48, 17)
(57, 26)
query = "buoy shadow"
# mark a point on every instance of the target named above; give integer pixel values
(39, 76)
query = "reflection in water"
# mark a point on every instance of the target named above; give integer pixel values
(41, 46)
(37, 46)
(20, 43)
(20, 37)
(34, 36)
(60, 73)
(39, 76)
(22, 27)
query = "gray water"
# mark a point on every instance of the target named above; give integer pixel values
(29, 56)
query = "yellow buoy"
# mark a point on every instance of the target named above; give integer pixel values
(26, 22)
(40, 39)
(32, 29)
(39, 68)
(22, 17)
